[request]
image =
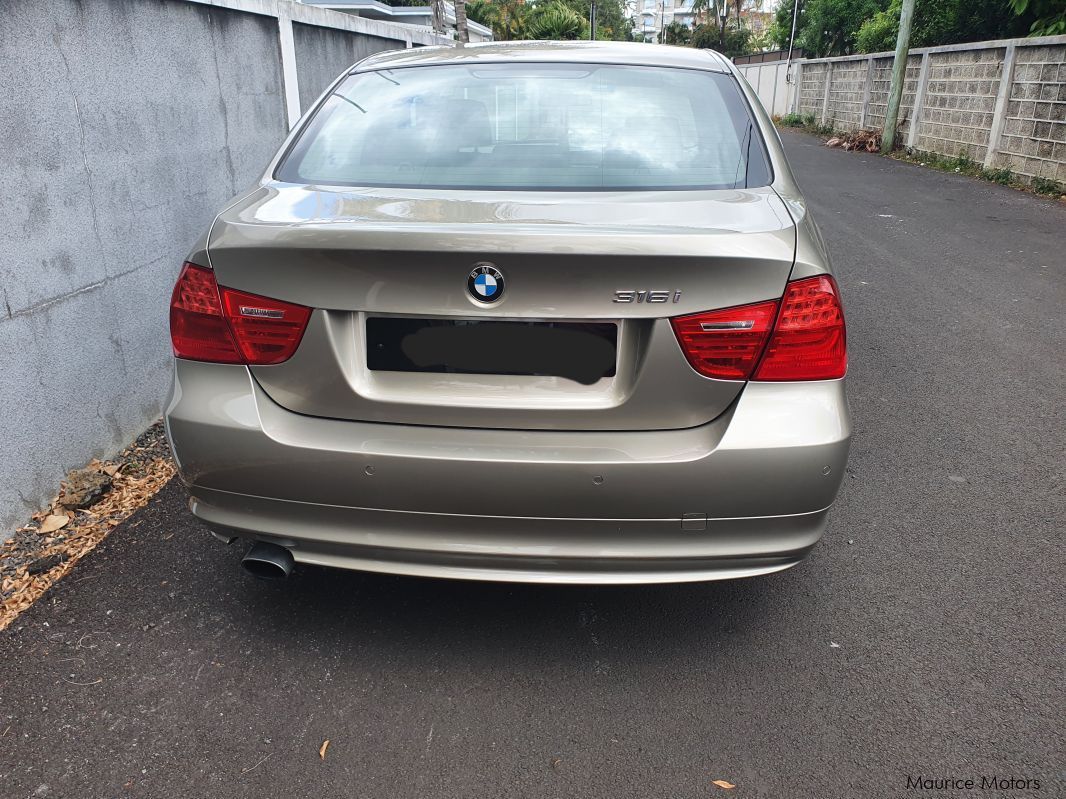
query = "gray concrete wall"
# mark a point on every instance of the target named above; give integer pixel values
(322, 54)
(126, 125)
(999, 103)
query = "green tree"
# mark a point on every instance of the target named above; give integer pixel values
(675, 33)
(825, 27)
(511, 19)
(484, 12)
(781, 28)
(507, 18)
(555, 20)
(611, 21)
(731, 42)
(830, 26)
(940, 22)
(1048, 16)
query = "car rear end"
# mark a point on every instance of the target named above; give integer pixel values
(518, 319)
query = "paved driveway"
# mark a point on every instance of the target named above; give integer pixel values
(924, 637)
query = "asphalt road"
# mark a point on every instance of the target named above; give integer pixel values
(924, 637)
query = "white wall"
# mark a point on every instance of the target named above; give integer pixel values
(768, 81)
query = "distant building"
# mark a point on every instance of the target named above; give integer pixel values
(651, 16)
(417, 16)
(758, 22)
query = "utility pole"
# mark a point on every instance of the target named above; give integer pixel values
(462, 31)
(899, 72)
(592, 22)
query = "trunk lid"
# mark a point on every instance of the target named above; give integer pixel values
(357, 255)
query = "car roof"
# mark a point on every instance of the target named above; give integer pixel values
(579, 52)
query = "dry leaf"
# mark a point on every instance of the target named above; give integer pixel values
(80, 535)
(322, 750)
(53, 523)
(723, 784)
(110, 469)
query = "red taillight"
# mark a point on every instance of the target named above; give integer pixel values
(725, 344)
(268, 331)
(806, 337)
(809, 341)
(198, 330)
(221, 325)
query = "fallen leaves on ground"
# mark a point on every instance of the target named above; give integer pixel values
(322, 749)
(724, 784)
(45, 550)
(868, 140)
(53, 522)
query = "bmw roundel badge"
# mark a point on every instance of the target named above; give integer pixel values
(485, 283)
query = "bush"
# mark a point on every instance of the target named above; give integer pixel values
(556, 21)
(1045, 186)
(734, 41)
(878, 33)
(1004, 177)
(796, 121)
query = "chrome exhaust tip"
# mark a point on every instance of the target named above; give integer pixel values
(268, 561)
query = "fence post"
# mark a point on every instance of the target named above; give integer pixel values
(999, 114)
(866, 91)
(825, 98)
(773, 97)
(289, 79)
(797, 84)
(919, 101)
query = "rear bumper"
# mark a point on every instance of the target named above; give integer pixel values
(746, 494)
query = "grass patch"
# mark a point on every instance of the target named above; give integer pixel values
(1051, 188)
(964, 165)
(808, 122)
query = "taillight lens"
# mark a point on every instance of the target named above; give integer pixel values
(809, 341)
(804, 340)
(268, 331)
(726, 344)
(221, 325)
(198, 330)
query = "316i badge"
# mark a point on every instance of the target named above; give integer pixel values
(485, 282)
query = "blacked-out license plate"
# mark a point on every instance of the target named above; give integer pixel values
(580, 351)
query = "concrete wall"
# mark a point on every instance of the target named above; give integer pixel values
(770, 82)
(1000, 103)
(323, 53)
(126, 125)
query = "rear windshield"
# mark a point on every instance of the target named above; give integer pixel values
(532, 126)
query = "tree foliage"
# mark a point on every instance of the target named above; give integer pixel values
(730, 41)
(718, 26)
(1049, 16)
(940, 22)
(840, 27)
(555, 20)
(675, 33)
(507, 18)
(546, 19)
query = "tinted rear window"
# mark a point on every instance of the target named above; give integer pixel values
(532, 126)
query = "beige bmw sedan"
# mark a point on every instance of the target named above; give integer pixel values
(538, 311)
